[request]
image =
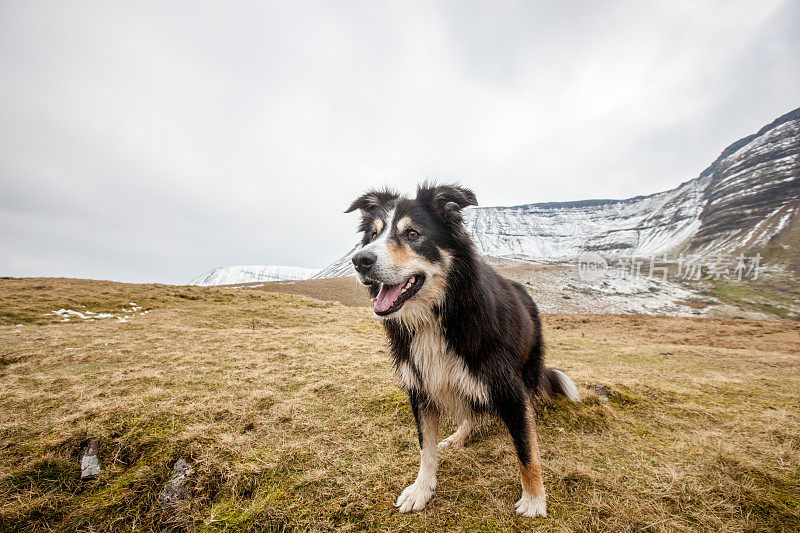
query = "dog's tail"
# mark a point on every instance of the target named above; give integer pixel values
(559, 383)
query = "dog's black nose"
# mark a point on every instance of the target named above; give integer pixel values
(364, 260)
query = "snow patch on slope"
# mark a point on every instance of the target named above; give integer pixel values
(231, 275)
(643, 225)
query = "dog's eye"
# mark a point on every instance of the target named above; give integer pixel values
(412, 234)
(373, 235)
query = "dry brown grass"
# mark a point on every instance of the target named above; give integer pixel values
(288, 410)
(346, 291)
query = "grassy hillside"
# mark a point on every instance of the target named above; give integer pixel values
(777, 291)
(288, 411)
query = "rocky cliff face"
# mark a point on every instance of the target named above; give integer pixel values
(753, 188)
(641, 225)
(746, 198)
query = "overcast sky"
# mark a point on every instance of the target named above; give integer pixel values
(148, 141)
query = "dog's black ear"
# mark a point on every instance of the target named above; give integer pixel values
(446, 200)
(373, 199)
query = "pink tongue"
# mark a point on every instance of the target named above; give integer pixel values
(387, 296)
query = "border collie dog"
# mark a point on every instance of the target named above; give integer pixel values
(465, 341)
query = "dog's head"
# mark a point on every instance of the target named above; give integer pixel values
(408, 246)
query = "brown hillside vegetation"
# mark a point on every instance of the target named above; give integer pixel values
(288, 411)
(346, 291)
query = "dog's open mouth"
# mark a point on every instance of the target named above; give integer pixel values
(391, 298)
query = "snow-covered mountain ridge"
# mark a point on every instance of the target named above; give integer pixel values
(747, 196)
(231, 275)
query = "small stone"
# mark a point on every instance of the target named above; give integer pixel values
(177, 488)
(601, 390)
(90, 464)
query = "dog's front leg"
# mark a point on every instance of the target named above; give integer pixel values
(417, 495)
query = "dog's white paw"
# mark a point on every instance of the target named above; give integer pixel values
(532, 506)
(452, 442)
(414, 498)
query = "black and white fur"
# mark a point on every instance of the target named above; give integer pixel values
(464, 340)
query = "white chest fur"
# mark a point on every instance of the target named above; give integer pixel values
(440, 373)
